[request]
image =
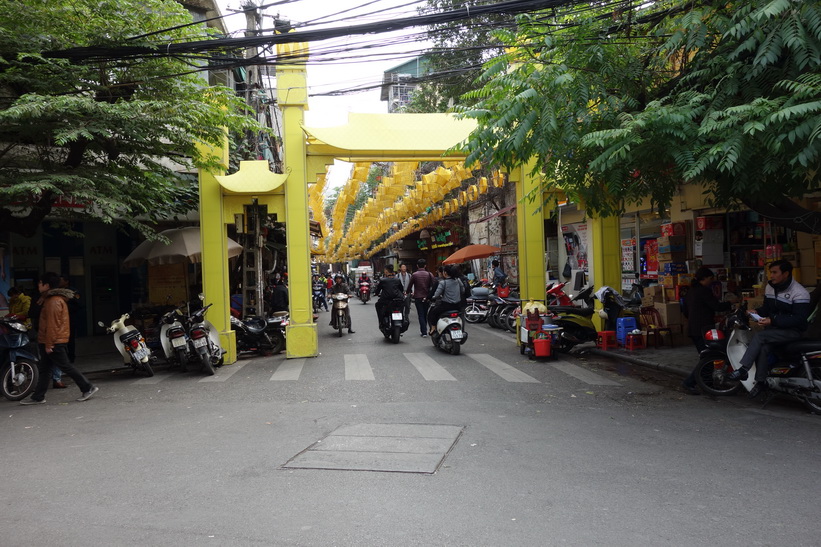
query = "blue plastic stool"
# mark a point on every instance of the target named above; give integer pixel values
(624, 326)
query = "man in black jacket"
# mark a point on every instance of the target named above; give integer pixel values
(784, 318)
(388, 288)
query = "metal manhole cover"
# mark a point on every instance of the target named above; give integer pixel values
(397, 448)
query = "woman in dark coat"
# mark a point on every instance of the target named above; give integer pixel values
(700, 308)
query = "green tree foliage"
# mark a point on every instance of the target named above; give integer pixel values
(102, 134)
(621, 105)
(456, 59)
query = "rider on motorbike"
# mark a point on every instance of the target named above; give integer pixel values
(340, 286)
(449, 295)
(389, 288)
(319, 291)
(784, 318)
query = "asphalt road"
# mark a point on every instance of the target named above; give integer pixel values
(572, 452)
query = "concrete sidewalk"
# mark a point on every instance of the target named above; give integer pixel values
(678, 360)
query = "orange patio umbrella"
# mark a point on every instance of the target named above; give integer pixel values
(471, 252)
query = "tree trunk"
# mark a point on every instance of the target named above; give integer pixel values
(27, 225)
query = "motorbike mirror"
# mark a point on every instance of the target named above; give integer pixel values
(201, 296)
(100, 323)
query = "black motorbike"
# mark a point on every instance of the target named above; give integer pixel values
(252, 335)
(318, 295)
(275, 328)
(19, 365)
(394, 322)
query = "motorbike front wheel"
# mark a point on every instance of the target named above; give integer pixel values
(711, 376)
(510, 324)
(473, 314)
(23, 382)
(277, 342)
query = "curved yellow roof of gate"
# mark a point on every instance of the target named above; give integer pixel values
(391, 137)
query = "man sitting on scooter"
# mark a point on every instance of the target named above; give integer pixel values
(388, 288)
(784, 318)
(340, 286)
(448, 296)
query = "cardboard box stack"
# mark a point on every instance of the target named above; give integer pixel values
(809, 258)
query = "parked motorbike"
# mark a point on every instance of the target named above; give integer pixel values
(275, 328)
(577, 326)
(557, 297)
(131, 345)
(204, 341)
(174, 339)
(615, 306)
(395, 322)
(449, 334)
(795, 371)
(364, 291)
(318, 294)
(251, 335)
(18, 366)
(477, 309)
(339, 314)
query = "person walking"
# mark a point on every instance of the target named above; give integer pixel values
(52, 339)
(420, 288)
(700, 307)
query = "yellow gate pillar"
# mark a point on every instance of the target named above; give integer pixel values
(214, 244)
(292, 97)
(530, 227)
(605, 234)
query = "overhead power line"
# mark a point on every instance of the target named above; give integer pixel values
(97, 53)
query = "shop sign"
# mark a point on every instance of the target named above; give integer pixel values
(437, 241)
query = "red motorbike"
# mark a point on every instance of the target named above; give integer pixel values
(364, 291)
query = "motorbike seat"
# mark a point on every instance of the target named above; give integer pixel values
(584, 312)
(255, 324)
(802, 346)
(279, 314)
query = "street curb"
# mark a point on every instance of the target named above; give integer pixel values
(637, 361)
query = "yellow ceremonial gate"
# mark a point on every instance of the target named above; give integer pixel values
(401, 206)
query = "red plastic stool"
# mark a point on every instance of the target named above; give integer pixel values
(634, 341)
(607, 340)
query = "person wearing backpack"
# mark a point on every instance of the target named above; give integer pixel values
(420, 286)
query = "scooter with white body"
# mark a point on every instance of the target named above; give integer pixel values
(449, 334)
(204, 341)
(174, 338)
(795, 370)
(131, 345)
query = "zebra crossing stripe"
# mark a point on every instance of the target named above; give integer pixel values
(288, 370)
(584, 375)
(223, 373)
(428, 368)
(501, 368)
(357, 367)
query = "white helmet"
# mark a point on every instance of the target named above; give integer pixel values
(602, 313)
